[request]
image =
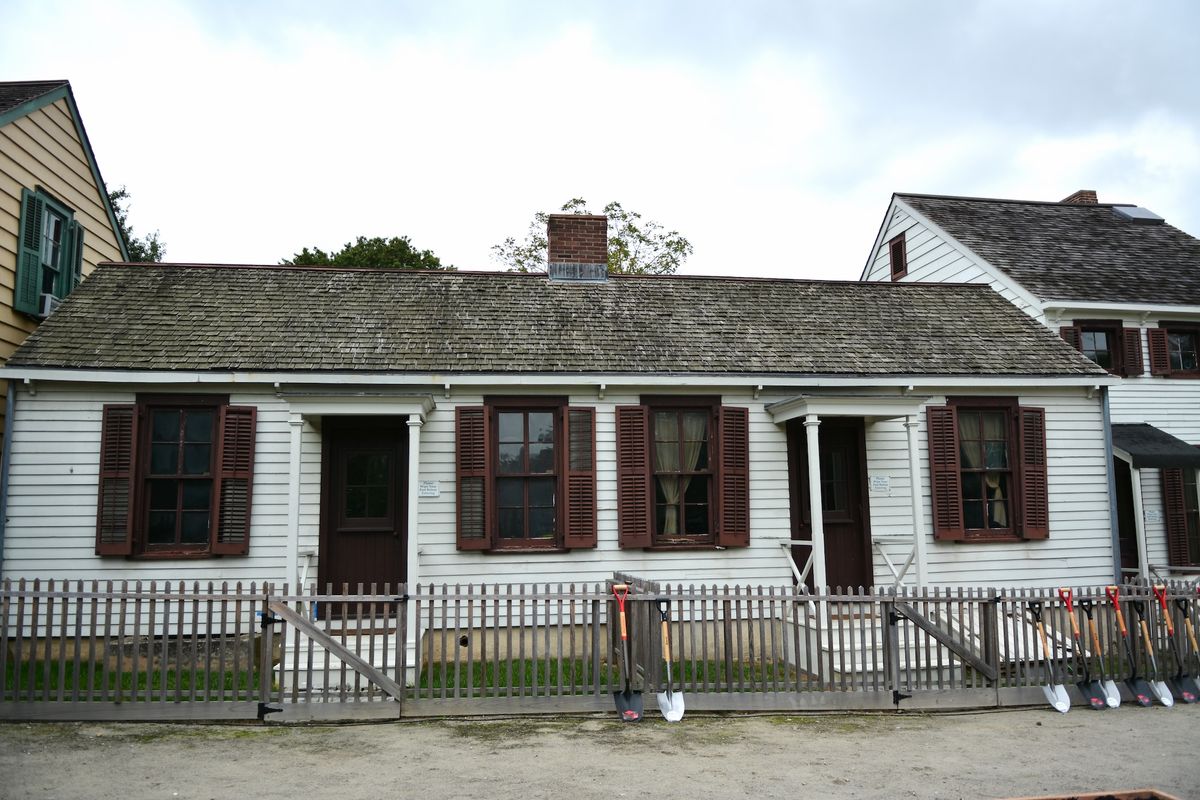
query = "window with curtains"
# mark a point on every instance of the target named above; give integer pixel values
(1175, 349)
(683, 474)
(1117, 349)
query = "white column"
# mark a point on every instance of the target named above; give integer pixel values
(1139, 524)
(412, 556)
(296, 426)
(911, 425)
(816, 513)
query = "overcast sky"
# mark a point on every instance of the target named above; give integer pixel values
(771, 134)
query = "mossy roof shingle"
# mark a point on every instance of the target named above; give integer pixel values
(186, 317)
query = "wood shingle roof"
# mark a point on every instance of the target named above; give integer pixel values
(203, 318)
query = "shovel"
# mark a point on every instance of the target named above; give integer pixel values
(1112, 695)
(1182, 604)
(1138, 687)
(629, 702)
(1056, 693)
(1158, 687)
(1092, 691)
(670, 703)
(1185, 686)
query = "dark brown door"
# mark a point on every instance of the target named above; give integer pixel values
(1126, 524)
(846, 516)
(363, 510)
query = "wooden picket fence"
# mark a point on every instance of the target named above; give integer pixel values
(134, 650)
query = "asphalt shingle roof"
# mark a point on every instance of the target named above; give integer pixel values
(14, 93)
(176, 317)
(1073, 252)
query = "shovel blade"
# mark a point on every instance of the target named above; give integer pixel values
(1112, 695)
(1186, 689)
(1162, 693)
(1056, 696)
(1093, 692)
(1140, 691)
(629, 705)
(671, 706)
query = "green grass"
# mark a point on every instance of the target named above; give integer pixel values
(63, 677)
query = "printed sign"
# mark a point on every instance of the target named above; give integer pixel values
(429, 489)
(1154, 516)
(880, 484)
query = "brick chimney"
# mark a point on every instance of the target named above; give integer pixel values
(577, 247)
(1084, 197)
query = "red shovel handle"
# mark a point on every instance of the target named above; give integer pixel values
(1114, 595)
(1065, 594)
(621, 591)
(1160, 592)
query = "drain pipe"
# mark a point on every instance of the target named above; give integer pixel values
(10, 405)
(1112, 488)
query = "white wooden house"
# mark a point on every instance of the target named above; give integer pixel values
(1120, 285)
(282, 423)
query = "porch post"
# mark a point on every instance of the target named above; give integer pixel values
(296, 426)
(1139, 523)
(412, 556)
(911, 424)
(815, 512)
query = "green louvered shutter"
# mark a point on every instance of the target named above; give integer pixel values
(27, 291)
(72, 272)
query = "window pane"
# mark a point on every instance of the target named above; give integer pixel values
(541, 523)
(197, 494)
(699, 453)
(193, 527)
(161, 527)
(512, 458)
(164, 426)
(996, 489)
(512, 523)
(511, 426)
(973, 514)
(968, 425)
(994, 426)
(541, 458)
(972, 486)
(377, 501)
(997, 513)
(666, 456)
(666, 519)
(356, 502)
(197, 458)
(197, 426)
(510, 492)
(541, 492)
(164, 459)
(995, 455)
(666, 426)
(968, 454)
(541, 426)
(696, 519)
(163, 494)
(696, 491)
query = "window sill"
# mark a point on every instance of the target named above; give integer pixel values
(675, 548)
(1186, 376)
(172, 555)
(521, 551)
(995, 538)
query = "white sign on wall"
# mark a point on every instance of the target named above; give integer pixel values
(880, 484)
(429, 489)
(1154, 516)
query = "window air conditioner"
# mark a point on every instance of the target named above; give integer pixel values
(49, 304)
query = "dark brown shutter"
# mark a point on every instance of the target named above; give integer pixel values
(118, 464)
(234, 480)
(1132, 365)
(1175, 516)
(470, 431)
(945, 477)
(1035, 497)
(580, 478)
(634, 507)
(734, 477)
(1160, 362)
(1072, 335)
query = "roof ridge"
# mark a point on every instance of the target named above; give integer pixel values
(1009, 200)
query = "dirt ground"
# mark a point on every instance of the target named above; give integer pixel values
(979, 755)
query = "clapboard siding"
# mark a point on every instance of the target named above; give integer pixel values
(56, 443)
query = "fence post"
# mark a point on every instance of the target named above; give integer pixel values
(266, 624)
(402, 607)
(991, 638)
(891, 649)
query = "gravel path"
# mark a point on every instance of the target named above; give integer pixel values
(982, 755)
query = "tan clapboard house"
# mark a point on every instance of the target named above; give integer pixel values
(56, 222)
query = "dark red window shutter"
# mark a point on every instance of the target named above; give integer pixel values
(1072, 335)
(634, 507)
(946, 480)
(734, 477)
(471, 456)
(234, 480)
(118, 457)
(1175, 516)
(1035, 496)
(1160, 362)
(580, 493)
(1132, 365)
(898, 253)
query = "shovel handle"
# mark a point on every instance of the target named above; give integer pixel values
(621, 591)
(1114, 594)
(666, 642)
(1086, 604)
(664, 612)
(1160, 592)
(1065, 594)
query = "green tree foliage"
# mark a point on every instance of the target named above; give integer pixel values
(635, 246)
(148, 248)
(396, 253)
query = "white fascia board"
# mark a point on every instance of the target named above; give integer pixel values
(996, 274)
(1063, 309)
(883, 226)
(833, 405)
(439, 381)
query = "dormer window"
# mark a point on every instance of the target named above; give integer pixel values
(51, 259)
(1175, 349)
(899, 257)
(1117, 349)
